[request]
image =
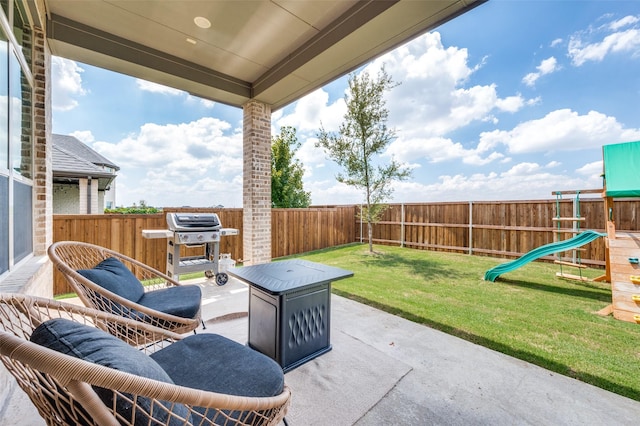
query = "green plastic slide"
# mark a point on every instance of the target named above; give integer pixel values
(579, 240)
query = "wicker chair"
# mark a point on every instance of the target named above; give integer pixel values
(69, 257)
(66, 389)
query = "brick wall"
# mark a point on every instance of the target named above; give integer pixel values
(256, 183)
(42, 178)
(65, 198)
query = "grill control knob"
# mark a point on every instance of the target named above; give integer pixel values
(200, 237)
(184, 237)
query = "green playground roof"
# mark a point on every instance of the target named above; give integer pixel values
(622, 169)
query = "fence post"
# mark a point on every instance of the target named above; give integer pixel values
(576, 223)
(402, 225)
(360, 223)
(470, 227)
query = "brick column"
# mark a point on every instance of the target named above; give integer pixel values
(94, 208)
(95, 198)
(43, 162)
(256, 199)
(83, 188)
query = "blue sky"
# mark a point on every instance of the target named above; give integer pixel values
(512, 100)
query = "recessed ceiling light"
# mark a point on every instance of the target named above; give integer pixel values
(190, 40)
(202, 22)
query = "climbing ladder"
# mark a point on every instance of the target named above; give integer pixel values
(575, 260)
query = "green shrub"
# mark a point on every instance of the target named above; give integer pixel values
(133, 210)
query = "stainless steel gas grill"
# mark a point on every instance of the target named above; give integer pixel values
(192, 230)
(194, 227)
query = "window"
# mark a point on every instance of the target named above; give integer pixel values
(20, 91)
(22, 31)
(4, 152)
(16, 136)
(20, 120)
(4, 224)
(4, 102)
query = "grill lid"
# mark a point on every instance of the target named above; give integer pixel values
(193, 221)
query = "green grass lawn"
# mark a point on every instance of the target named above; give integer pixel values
(528, 313)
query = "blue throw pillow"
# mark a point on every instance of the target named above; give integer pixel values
(94, 345)
(114, 276)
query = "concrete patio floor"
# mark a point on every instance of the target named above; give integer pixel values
(383, 369)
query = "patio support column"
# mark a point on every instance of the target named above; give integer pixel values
(83, 192)
(42, 175)
(256, 200)
(94, 198)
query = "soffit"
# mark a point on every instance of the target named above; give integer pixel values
(271, 51)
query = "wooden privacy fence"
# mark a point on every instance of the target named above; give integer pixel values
(500, 228)
(494, 228)
(293, 231)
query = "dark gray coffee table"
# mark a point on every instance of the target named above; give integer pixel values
(290, 308)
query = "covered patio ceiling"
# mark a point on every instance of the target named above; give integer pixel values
(272, 51)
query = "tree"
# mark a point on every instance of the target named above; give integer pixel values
(287, 190)
(360, 139)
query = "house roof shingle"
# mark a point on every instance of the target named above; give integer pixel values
(67, 164)
(78, 153)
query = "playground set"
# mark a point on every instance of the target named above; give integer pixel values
(621, 163)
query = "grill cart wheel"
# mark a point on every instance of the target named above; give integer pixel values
(222, 278)
(208, 274)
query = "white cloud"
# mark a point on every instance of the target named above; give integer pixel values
(199, 163)
(561, 130)
(331, 192)
(438, 149)
(204, 192)
(523, 169)
(149, 86)
(312, 110)
(309, 154)
(556, 42)
(83, 135)
(582, 50)
(523, 181)
(591, 169)
(433, 98)
(67, 83)
(531, 78)
(172, 143)
(547, 66)
(207, 103)
(626, 21)
(511, 103)
(431, 101)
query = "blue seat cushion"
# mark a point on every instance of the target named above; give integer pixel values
(111, 274)
(94, 345)
(215, 363)
(182, 301)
